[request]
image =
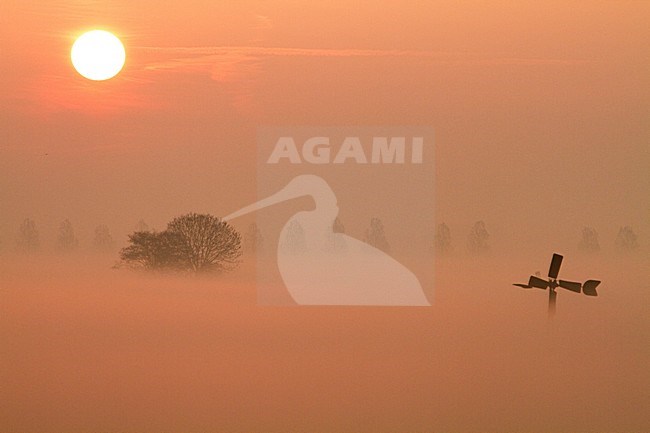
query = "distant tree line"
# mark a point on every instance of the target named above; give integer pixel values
(163, 250)
(294, 241)
(28, 239)
(477, 240)
(253, 240)
(626, 240)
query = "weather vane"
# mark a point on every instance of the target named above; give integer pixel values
(588, 288)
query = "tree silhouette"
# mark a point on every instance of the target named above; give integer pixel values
(155, 250)
(28, 239)
(375, 235)
(66, 240)
(294, 241)
(253, 239)
(192, 242)
(477, 241)
(589, 240)
(103, 241)
(208, 243)
(442, 240)
(626, 240)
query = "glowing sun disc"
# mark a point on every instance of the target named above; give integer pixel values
(98, 55)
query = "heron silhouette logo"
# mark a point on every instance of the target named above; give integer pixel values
(318, 265)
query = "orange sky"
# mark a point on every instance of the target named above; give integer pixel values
(540, 112)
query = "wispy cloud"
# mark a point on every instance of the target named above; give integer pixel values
(242, 65)
(205, 53)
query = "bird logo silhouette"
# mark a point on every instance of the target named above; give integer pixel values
(329, 268)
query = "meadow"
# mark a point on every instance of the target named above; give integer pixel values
(89, 348)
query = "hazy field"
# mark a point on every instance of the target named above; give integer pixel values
(86, 348)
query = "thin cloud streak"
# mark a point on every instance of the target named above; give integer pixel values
(238, 68)
(441, 56)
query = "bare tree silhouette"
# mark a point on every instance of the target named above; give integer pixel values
(209, 243)
(375, 235)
(626, 240)
(192, 242)
(294, 241)
(335, 242)
(477, 241)
(155, 250)
(28, 238)
(442, 240)
(589, 240)
(253, 239)
(103, 241)
(66, 241)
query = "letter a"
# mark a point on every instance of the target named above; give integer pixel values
(285, 148)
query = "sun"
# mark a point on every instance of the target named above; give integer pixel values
(98, 55)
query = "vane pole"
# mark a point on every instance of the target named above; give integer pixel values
(551, 301)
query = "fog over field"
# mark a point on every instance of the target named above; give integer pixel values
(87, 348)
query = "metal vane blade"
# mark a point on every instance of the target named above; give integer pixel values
(537, 282)
(570, 285)
(556, 262)
(589, 287)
